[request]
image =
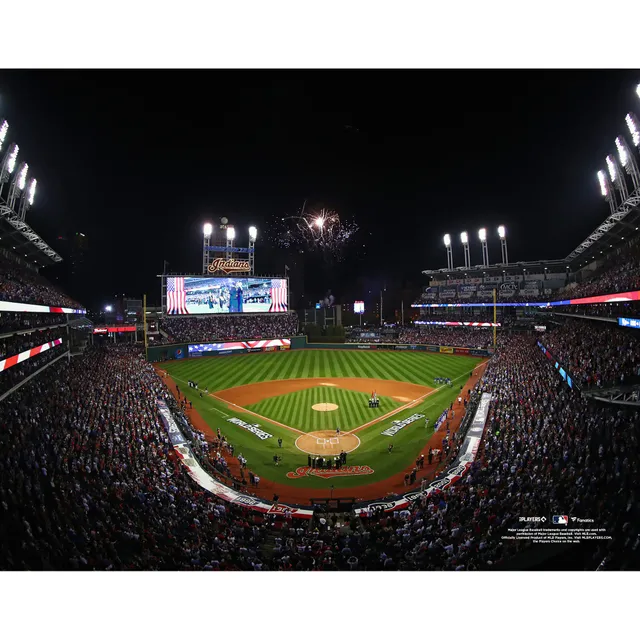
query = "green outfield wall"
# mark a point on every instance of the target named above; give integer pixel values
(165, 352)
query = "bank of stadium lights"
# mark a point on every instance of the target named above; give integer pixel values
(482, 234)
(22, 176)
(502, 234)
(464, 238)
(622, 151)
(207, 229)
(231, 234)
(12, 158)
(634, 128)
(31, 191)
(602, 179)
(447, 244)
(4, 129)
(253, 234)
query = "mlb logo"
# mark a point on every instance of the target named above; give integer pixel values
(560, 519)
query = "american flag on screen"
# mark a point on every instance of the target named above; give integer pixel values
(176, 296)
(278, 293)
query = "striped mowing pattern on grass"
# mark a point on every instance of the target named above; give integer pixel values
(224, 372)
(295, 409)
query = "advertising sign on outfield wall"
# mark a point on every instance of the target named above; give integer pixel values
(446, 349)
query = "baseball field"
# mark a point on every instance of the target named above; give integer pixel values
(302, 397)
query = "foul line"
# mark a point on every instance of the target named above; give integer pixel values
(244, 410)
(413, 403)
(253, 413)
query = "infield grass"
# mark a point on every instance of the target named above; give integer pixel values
(295, 409)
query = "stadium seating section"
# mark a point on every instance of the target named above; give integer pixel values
(19, 284)
(89, 479)
(229, 327)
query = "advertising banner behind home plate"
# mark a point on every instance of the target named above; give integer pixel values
(197, 473)
(460, 466)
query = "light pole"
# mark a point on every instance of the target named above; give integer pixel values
(464, 238)
(447, 244)
(207, 230)
(231, 235)
(502, 232)
(482, 234)
(253, 234)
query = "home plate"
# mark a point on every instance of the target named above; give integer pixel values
(324, 406)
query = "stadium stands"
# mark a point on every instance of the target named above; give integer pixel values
(229, 327)
(453, 337)
(595, 352)
(91, 481)
(18, 284)
(547, 450)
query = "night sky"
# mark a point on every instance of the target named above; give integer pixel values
(138, 160)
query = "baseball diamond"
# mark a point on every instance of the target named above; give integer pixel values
(279, 393)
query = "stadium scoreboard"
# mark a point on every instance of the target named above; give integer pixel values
(206, 295)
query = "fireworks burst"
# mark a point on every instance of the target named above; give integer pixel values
(316, 231)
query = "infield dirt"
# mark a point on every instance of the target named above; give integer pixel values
(249, 394)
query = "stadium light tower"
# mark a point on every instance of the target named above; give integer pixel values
(617, 177)
(464, 238)
(482, 234)
(502, 233)
(634, 128)
(628, 161)
(607, 190)
(4, 129)
(207, 231)
(17, 185)
(253, 234)
(447, 244)
(26, 201)
(231, 235)
(8, 165)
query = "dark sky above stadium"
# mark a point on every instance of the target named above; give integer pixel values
(138, 160)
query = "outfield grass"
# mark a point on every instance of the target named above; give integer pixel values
(224, 372)
(218, 373)
(295, 409)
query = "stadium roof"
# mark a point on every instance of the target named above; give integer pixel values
(17, 236)
(619, 227)
(535, 266)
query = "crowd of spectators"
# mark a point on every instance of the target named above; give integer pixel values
(619, 272)
(19, 284)
(229, 327)
(17, 343)
(10, 321)
(595, 352)
(546, 450)
(88, 479)
(451, 337)
(14, 375)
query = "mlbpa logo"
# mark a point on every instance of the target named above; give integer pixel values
(561, 520)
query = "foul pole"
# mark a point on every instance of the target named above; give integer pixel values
(494, 318)
(144, 326)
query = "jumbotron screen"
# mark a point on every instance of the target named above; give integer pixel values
(202, 295)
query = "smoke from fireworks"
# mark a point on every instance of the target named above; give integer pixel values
(319, 231)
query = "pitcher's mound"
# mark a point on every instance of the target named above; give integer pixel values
(324, 406)
(327, 443)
